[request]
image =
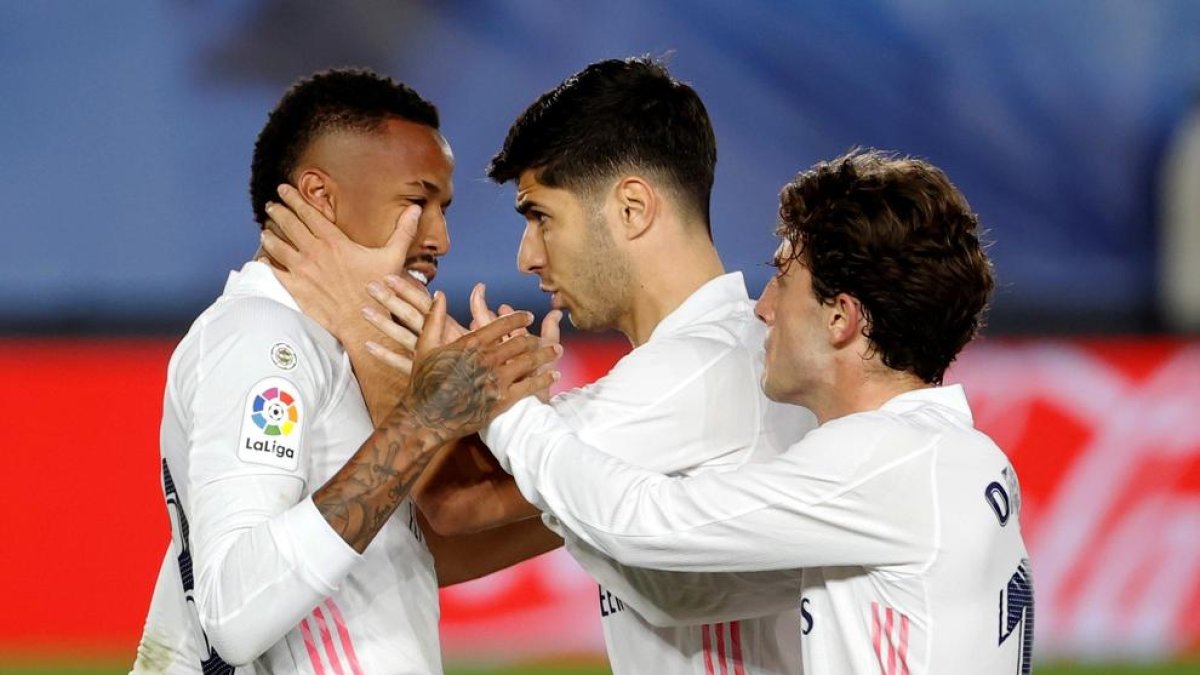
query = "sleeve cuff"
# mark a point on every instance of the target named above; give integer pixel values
(319, 553)
(500, 434)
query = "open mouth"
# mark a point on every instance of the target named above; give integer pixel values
(419, 276)
(422, 269)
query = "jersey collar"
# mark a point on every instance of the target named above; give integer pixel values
(719, 292)
(951, 396)
(258, 278)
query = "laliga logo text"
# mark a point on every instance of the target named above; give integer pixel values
(274, 447)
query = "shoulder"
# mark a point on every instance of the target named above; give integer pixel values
(664, 368)
(245, 339)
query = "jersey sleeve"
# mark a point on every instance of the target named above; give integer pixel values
(263, 554)
(634, 412)
(852, 492)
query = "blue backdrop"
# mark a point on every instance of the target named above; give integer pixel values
(128, 128)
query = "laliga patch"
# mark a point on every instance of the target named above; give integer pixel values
(272, 425)
(283, 356)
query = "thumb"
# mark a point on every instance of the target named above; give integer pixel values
(550, 328)
(435, 324)
(480, 314)
(405, 232)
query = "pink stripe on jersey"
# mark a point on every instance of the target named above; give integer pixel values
(344, 635)
(311, 646)
(887, 632)
(903, 645)
(327, 639)
(721, 640)
(735, 632)
(707, 644)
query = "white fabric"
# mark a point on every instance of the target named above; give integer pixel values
(902, 525)
(275, 589)
(686, 402)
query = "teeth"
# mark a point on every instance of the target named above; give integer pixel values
(418, 276)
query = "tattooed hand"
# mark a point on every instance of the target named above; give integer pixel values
(458, 387)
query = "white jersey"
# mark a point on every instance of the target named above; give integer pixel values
(261, 409)
(687, 401)
(900, 526)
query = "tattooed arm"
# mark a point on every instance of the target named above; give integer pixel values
(455, 390)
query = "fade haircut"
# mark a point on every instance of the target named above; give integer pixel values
(342, 99)
(615, 116)
(895, 234)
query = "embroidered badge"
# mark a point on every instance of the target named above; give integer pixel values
(283, 356)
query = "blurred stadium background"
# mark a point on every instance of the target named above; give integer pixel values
(1073, 126)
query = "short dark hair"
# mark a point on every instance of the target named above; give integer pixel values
(614, 116)
(339, 99)
(895, 234)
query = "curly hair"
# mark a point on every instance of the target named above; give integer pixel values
(332, 100)
(895, 234)
(612, 116)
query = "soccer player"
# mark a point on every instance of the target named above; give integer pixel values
(901, 520)
(614, 170)
(296, 547)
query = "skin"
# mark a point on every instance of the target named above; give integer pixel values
(455, 389)
(387, 191)
(571, 247)
(601, 257)
(818, 354)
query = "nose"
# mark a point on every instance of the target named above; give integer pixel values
(531, 257)
(764, 309)
(433, 234)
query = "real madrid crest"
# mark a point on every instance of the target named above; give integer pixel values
(283, 356)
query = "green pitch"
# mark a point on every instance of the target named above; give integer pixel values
(1057, 669)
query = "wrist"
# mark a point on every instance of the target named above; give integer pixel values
(404, 426)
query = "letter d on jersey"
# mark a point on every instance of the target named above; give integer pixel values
(273, 424)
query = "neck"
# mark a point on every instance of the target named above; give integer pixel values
(862, 389)
(665, 276)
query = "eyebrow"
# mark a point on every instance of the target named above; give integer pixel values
(431, 188)
(526, 205)
(425, 185)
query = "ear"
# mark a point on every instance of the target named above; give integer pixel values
(318, 188)
(846, 320)
(638, 205)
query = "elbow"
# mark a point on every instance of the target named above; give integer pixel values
(237, 645)
(236, 635)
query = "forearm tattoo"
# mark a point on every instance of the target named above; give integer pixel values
(453, 393)
(360, 498)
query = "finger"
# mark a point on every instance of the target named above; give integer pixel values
(530, 386)
(498, 329)
(293, 229)
(527, 363)
(551, 328)
(311, 218)
(511, 349)
(274, 228)
(506, 310)
(405, 337)
(435, 323)
(410, 291)
(480, 314)
(398, 361)
(281, 253)
(406, 313)
(405, 232)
